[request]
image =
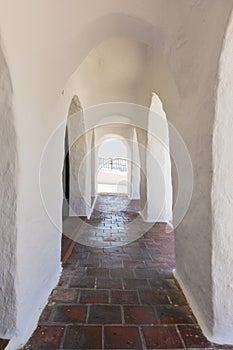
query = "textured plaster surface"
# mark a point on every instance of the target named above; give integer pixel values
(8, 202)
(222, 197)
(93, 165)
(159, 182)
(77, 152)
(135, 168)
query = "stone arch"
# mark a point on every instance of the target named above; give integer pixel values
(8, 203)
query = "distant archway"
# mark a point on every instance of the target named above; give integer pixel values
(113, 167)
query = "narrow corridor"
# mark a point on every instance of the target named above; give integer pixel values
(121, 297)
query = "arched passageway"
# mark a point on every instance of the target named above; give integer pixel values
(185, 77)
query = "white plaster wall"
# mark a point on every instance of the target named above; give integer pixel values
(142, 144)
(86, 166)
(78, 205)
(114, 131)
(194, 120)
(135, 168)
(93, 166)
(111, 72)
(8, 203)
(45, 44)
(159, 183)
(222, 197)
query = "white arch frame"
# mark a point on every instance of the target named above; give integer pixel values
(116, 136)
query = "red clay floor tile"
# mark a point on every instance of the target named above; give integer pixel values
(92, 296)
(85, 282)
(107, 283)
(103, 314)
(140, 315)
(153, 297)
(46, 314)
(61, 295)
(121, 272)
(193, 337)
(97, 272)
(83, 337)
(135, 283)
(160, 337)
(46, 338)
(69, 314)
(175, 315)
(119, 337)
(124, 297)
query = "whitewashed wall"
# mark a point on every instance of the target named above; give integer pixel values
(8, 202)
(159, 182)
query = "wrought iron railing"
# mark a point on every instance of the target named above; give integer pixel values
(114, 164)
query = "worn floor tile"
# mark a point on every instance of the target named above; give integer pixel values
(107, 283)
(97, 272)
(102, 314)
(92, 296)
(153, 297)
(174, 315)
(193, 337)
(124, 297)
(46, 338)
(69, 314)
(83, 337)
(160, 337)
(116, 337)
(135, 283)
(85, 282)
(64, 295)
(140, 315)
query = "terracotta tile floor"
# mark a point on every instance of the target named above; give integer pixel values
(120, 297)
(115, 221)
